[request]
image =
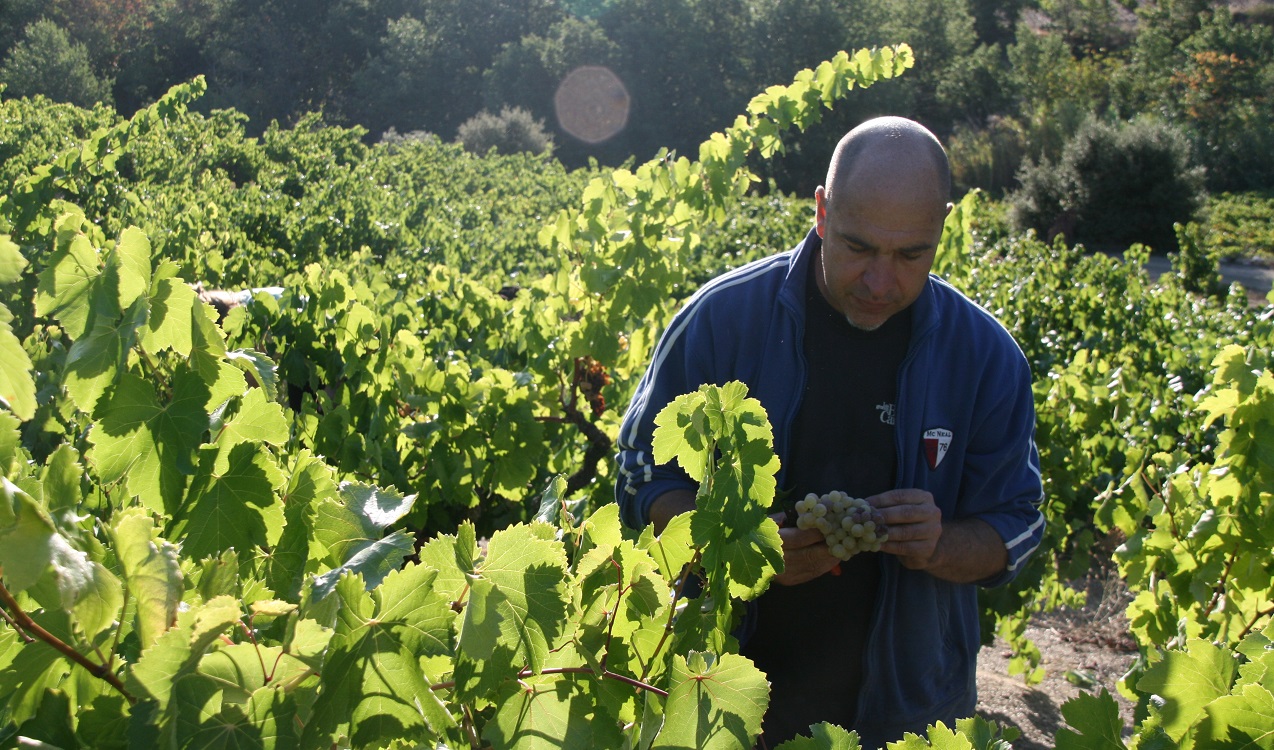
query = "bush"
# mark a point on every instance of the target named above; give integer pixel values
(48, 62)
(510, 132)
(1114, 185)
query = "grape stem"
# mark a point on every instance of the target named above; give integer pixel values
(606, 673)
(686, 572)
(26, 625)
(614, 614)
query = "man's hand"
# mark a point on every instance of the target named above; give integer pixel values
(914, 523)
(961, 551)
(806, 555)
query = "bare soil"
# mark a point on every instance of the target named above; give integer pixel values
(1083, 650)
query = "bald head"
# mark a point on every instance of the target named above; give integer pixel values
(891, 153)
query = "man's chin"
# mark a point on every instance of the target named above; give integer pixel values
(865, 323)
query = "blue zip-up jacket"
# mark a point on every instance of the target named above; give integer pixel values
(964, 431)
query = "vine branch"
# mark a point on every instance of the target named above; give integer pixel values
(27, 625)
(1251, 625)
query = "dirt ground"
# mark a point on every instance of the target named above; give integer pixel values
(1083, 651)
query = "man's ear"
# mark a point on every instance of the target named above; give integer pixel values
(820, 211)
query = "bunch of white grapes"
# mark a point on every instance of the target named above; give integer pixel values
(847, 522)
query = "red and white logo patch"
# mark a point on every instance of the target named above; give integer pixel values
(937, 441)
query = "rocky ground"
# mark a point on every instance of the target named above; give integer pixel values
(1083, 651)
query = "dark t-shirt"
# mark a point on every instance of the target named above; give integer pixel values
(809, 638)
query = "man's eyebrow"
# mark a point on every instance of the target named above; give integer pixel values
(921, 247)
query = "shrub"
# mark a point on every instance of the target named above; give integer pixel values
(987, 158)
(511, 131)
(1114, 185)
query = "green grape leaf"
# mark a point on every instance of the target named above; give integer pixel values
(308, 642)
(218, 576)
(61, 481)
(10, 444)
(711, 704)
(267, 719)
(453, 557)
(824, 736)
(241, 669)
(1096, 723)
(177, 652)
(940, 737)
(272, 608)
(548, 714)
(97, 358)
(132, 255)
(311, 482)
(226, 506)
(26, 537)
(32, 671)
(644, 599)
(490, 648)
(530, 570)
(152, 573)
(17, 385)
(601, 529)
(371, 679)
(675, 547)
(259, 369)
(419, 615)
(372, 560)
(11, 261)
(362, 515)
(97, 601)
(680, 434)
(516, 608)
(746, 561)
(257, 420)
(550, 511)
(172, 304)
(986, 735)
(103, 725)
(151, 444)
(1188, 680)
(66, 284)
(1242, 721)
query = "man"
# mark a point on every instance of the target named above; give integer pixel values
(884, 382)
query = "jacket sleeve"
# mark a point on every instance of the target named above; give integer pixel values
(1002, 484)
(670, 374)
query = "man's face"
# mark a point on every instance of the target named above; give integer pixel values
(878, 247)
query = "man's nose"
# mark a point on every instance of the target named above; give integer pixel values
(880, 277)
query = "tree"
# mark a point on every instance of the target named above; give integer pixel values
(427, 72)
(16, 15)
(1214, 76)
(527, 74)
(47, 62)
(681, 62)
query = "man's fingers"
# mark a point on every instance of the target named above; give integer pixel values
(905, 514)
(900, 498)
(800, 538)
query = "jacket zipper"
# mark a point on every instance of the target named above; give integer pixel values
(888, 573)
